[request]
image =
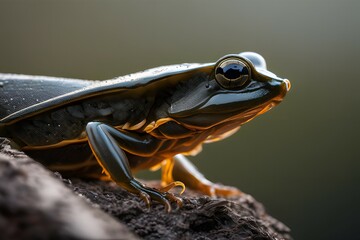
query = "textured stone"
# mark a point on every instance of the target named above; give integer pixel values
(36, 204)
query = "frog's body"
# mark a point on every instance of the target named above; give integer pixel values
(137, 121)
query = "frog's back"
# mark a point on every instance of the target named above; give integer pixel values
(21, 91)
(23, 96)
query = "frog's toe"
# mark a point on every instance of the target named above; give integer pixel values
(178, 201)
(148, 194)
(165, 198)
(227, 191)
(146, 198)
(172, 185)
(218, 190)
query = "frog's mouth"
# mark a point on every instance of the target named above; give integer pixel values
(231, 125)
(248, 115)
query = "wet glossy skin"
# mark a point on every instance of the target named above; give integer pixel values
(138, 121)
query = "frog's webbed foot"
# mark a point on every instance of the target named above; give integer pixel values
(180, 168)
(148, 194)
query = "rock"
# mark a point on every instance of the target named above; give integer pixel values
(37, 204)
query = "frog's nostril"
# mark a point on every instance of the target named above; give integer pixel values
(288, 84)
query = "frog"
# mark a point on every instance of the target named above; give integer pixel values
(111, 129)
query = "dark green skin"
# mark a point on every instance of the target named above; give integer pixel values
(36, 112)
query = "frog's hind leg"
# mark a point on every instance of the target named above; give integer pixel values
(181, 169)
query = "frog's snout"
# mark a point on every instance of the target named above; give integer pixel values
(287, 84)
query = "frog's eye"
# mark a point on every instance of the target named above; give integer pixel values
(232, 73)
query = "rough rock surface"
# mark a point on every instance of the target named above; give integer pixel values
(37, 204)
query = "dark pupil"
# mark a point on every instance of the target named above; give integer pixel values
(233, 71)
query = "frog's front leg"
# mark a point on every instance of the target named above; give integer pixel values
(106, 142)
(181, 169)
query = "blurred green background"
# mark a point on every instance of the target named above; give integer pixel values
(301, 159)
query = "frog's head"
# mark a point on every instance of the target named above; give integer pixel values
(232, 91)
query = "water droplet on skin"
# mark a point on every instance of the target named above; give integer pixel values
(11, 99)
